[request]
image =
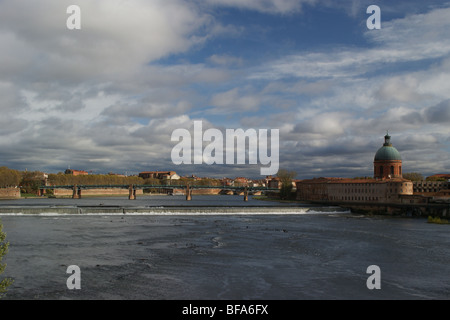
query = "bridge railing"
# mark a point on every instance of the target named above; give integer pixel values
(136, 186)
(132, 189)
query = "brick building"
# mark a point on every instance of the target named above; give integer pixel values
(427, 186)
(354, 190)
(172, 175)
(387, 185)
(76, 172)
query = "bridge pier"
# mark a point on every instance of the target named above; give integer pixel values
(188, 193)
(132, 193)
(132, 189)
(76, 192)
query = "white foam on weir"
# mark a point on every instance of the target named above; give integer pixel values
(173, 213)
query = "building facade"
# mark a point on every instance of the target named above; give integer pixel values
(167, 175)
(426, 186)
(76, 172)
(387, 185)
(341, 190)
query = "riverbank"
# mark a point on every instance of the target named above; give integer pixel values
(437, 220)
(434, 212)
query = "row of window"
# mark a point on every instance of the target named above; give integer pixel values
(354, 198)
(391, 170)
(427, 190)
(391, 190)
(370, 184)
(359, 190)
(430, 184)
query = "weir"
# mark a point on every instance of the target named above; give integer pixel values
(169, 210)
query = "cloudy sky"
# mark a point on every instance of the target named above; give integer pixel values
(108, 97)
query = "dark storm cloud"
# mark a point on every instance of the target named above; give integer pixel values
(439, 113)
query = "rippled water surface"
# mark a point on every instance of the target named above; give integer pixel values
(310, 255)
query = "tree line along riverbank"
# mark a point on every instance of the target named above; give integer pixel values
(29, 182)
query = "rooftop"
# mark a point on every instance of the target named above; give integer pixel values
(387, 151)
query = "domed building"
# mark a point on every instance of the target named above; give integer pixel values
(387, 187)
(387, 163)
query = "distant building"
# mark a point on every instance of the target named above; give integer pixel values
(240, 181)
(387, 186)
(274, 183)
(169, 175)
(76, 172)
(226, 182)
(257, 183)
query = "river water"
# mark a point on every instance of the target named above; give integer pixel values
(315, 254)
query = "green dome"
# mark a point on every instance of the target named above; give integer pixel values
(387, 151)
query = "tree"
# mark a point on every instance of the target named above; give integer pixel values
(413, 176)
(5, 283)
(9, 177)
(31, 181)
(286, 177)
(431, 178)
(92, 179)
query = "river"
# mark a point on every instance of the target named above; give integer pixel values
(242, 255)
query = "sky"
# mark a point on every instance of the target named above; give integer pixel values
(107, 97)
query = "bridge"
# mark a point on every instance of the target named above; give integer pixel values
(77, 189)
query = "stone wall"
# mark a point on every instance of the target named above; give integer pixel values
(9, 193)
(95, 192)
(205, 191)
(341, 190)
(424, 210)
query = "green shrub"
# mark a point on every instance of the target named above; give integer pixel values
(437, 220)
(5, 283)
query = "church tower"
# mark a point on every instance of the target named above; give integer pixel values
(387, 163)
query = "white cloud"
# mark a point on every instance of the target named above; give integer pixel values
(116, 36)
(233, 101)
(324, 125)
(146, 110)
(402, 89)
